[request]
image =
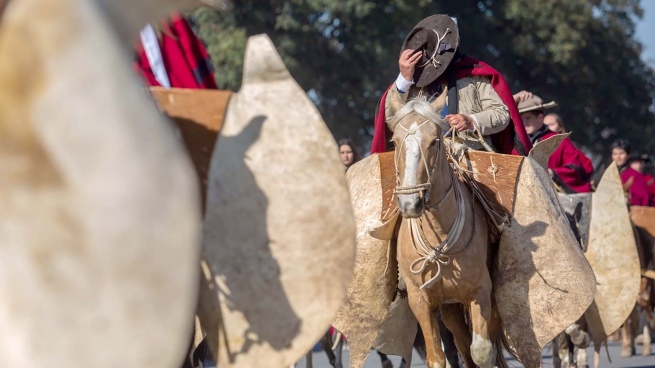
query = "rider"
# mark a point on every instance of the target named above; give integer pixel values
(634, 182)
(479, 100)
(638, 163)
(569, 168)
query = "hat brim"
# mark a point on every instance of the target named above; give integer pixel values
(545, 106)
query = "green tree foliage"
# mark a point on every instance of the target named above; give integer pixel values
(581, 53)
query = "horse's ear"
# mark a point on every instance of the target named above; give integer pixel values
(440, 101)
(395, 102)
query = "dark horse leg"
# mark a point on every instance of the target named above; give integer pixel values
(386, 363)
(448, 340)
(453, 316)
(326, 344)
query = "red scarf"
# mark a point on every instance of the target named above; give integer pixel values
(512, 140)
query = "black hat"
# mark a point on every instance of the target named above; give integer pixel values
(640, 157)
(438, 37)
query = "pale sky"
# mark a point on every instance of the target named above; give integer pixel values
(646, 31)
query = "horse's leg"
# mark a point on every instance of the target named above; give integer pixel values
(423, 313)
(454, 319)
(571, 347)
(338, 352)
(309, 362)
(448, 340)
(482, 349)
(580, 358)
(579, 340)
(628, 330)
(646, 341)
(597, 354)
(563, 350)
(419, 344)
(384, 359)
(326, 344)
(557, 360)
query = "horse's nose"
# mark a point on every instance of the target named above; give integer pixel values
(411, 205)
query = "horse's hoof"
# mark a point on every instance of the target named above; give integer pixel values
(627, 352)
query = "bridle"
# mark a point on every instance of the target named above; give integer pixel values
(423, 189)
(441, 254)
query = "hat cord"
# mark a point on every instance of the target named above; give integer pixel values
(433, 60)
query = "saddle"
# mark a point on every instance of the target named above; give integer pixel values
(491, 176)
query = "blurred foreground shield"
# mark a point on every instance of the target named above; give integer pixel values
(99, 220)
(542, 283)
(612, 253)
(279, 233)
(371, 292)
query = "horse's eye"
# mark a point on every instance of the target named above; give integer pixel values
(434, 141)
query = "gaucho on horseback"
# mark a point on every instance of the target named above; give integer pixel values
(480, 106)
(476, 235)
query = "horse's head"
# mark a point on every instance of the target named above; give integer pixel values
(417, 134)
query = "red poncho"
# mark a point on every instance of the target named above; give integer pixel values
(503, 141)
(185, 57)
(638, 193)
(572, 170)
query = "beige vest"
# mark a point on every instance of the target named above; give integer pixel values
(477, 99)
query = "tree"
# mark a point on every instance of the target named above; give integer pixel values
(344, 53)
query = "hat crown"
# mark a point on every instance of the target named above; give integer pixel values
(534, 103)
(437, 37)
(530, 102)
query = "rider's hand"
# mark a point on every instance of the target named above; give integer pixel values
(459, 121)
(407, 63)
(522, 96)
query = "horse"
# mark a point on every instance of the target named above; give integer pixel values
(444, 263)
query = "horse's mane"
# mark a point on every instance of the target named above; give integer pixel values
(421, 106)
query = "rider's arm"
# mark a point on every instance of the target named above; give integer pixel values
(494, 116)
(403, 85)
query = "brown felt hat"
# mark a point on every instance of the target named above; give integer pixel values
(535, 103)
(438, 37)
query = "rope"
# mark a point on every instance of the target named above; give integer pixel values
(437, 255)
(433, 58)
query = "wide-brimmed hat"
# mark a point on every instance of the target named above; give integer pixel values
(535, 103)
(438, 37)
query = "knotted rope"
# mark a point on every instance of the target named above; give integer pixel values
(438, 255)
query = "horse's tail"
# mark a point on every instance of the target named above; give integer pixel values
(502, 344)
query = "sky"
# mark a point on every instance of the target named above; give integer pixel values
(646, 31)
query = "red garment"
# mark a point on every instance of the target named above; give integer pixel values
(638, 194)
(381, 131)
(503, 141)
(572, 170)
(650, 182)
(185, 58)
